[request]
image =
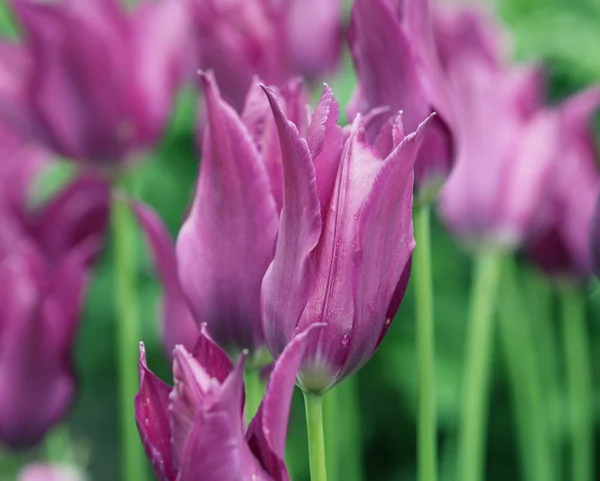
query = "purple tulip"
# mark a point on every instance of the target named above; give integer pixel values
(347, 209)
(195, 430)
(559, 244)
(91, 81)
(44, 259)
(504, 148)
(47, 472)
(226, 244)
(273, 39)
(398, 66)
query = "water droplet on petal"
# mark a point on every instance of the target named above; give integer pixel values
(345, 339)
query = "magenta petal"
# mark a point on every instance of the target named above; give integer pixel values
(286, 285)
(178, 324)
(267, 432)
(388, 204)
(211, 357)
(233, 223)
(78, 213)
(325, 143)
(152, 419)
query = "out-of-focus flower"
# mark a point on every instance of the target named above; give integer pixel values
(559, 244)
(50, 472)
(276, 40)
(347, 209)
(44, 255)
(178, 325)
(503, 138)
(195, 430)
(91, 81)
(226, 244)
(398, 66)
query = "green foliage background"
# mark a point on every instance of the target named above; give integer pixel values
(562, 34)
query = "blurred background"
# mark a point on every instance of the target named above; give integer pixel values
(564, 35)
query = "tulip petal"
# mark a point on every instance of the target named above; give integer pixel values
(178, 324)
(268, 429)
(233, 223)
(211, 357)
(153, 422)
(389, 204)
(286, 285)
(50, 472)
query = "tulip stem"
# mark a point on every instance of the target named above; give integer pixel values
(58, 445)
(313, 404)
(255, 391)
(427, 424)
(133, 463)
(579, 385)
(525, 380)
(473, 420)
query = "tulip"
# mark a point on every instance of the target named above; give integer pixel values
(504, 153)
(559, 244)
(346, 212)
(398, 66)
(91, 81)
(275, 40)
(226, 243)
(47, 472)
(195, 430)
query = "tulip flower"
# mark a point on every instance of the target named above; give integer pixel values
(91, 81)
(398, 66)
(347, 209)
(43, 472)
(195, 430)
(504, 156)
(44, 259)
(559, 244)
(275, 40)
(226, 244)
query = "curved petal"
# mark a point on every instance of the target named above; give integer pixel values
(178, 324)
(233, 223)
(287, 283)
(153, 422)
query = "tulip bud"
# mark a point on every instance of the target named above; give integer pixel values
(411, 80)
(347, 209)
(90, 81)
(196, 430)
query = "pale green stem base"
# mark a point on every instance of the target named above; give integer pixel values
(313, 404)
(579, 385)
(524, 376)
(472, 431)
(427, 425)
(133, 463)
(255, 391)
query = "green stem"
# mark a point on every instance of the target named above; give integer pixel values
(524, 375)
(133, 462)
(473, 421)
(427, 425)
(313, 404)
(58, 445)
(579, 385)
(7, 21)
(255, 390)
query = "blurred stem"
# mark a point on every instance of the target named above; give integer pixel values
(7, 21)
(58, 445)
(525, 378)
(313, 404)
(473, 421)
(427, 425)
(333, 413)
(349, 442)
(579, 384)
(133, 464)
(255, 391)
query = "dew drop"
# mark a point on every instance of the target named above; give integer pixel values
(345, 339)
